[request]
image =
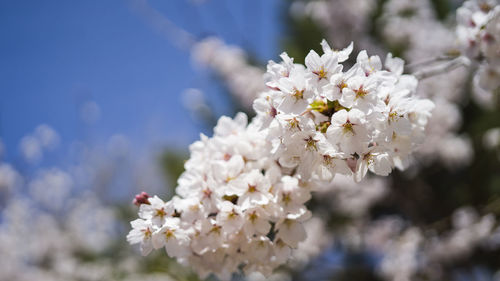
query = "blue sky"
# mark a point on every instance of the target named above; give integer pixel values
(57, 55)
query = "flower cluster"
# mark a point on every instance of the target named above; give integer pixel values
(241, 201)
(477, 28)
(404, 21)
(478, 32)
(406, 250)
(233, 206)
(412, 23)
(322, 121)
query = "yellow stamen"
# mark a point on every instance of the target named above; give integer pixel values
(321, 73)
(286, 198)
(348, 128)
(253, 216)
(252, 188)
(361, 93)
(169, 234)
(298, 94)
(160, 213)
(311, 144)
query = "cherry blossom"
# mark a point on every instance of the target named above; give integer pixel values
(240, 203)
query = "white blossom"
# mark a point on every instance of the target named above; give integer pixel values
(142, 232)
(241, 201)
(478, 33)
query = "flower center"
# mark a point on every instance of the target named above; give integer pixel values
(347, 128)
(361, 93)
(311, 144)
(253, 216)
(298, 94)
(252, 188)
(169, 234)
(321, 73)
(286, 198)
(160, 213)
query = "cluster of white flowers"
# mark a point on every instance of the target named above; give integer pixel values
(233, 206)
(50, 244)
(59, 217)
(403, 20)
(414, 25)
(322, 121)
(469, 231)
(477, 28)
(431, 43)
(386, 238)
(240, 202)
(53, 226)
(407, 250)
(478, 32)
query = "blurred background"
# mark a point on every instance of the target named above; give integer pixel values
(99, 100)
